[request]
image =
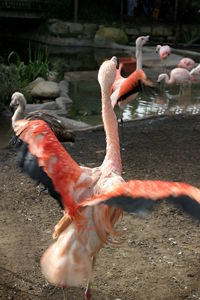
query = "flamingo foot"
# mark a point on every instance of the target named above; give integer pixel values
(88, 295)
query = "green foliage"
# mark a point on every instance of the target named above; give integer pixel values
(17, 74)
(8, 82)
(38, 65)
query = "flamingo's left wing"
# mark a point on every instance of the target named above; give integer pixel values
(135, 195)
(44, 159)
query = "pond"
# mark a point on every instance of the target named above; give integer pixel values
(85, 90)
(162, 99)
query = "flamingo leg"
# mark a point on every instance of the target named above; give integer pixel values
(189, 90)
(64, 294)
(88, 294)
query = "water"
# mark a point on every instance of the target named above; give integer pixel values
(162, 99)
(85, 90)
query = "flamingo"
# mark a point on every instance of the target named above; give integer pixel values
(163, 51)
(186, 63)
(92, 198)
(125, 90)
(18, 106)
(180, 76)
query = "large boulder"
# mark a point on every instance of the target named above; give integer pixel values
(59, 27)
(89, 29)
(111, 34)
(46, 89)
(63, 102)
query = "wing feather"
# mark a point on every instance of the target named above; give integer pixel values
(50, 158)
(136, 195)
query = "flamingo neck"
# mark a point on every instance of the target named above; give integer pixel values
(19, 113)
(138, 57)
(112, 160)
(167, 80)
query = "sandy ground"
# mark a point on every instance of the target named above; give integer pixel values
(160, 256)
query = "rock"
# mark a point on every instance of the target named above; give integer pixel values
(74, 27)
(58, 27)
(89, 29)
(132, 31)
(73, 124)
(64, 88)
(46, 89)
(32, 84)
(63, 102)
(44, 106)
(111, 34)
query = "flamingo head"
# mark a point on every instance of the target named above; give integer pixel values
(107, 72)
(17, 99)
(142, 40)
(158, 48)
(161, 77)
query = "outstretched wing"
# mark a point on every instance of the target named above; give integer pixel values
(136, 195)
(45, 160)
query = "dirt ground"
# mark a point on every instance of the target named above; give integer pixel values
(161, 254)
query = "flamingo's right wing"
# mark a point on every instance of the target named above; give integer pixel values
(45, 160)
(136, 195)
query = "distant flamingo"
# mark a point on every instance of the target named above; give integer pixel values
(124, 90)
(186, 63)
(86, 226)
(180, 76)
(163, 51)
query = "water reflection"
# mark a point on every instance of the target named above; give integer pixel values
(158, 101)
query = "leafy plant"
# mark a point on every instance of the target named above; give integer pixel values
(8, 82)
(17, 74)
(38, 65)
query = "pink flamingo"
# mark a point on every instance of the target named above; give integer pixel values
(139, 43)
(86, 225)
(186, 63)
(124, 90)
(163, 51)
(180, 76)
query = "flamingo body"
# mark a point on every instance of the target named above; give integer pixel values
(127, 89)
(177, 75)
(186, 63)
(163, 51)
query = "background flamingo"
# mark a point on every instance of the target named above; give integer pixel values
(180, 76)
(125, 90)
(163, 51)
(86, 226)
(140, 42)
(186, 63)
